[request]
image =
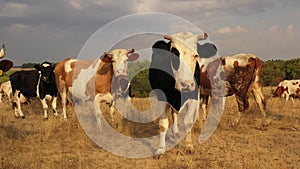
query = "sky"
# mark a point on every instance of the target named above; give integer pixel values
(52, 30)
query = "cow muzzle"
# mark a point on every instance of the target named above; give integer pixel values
(186, 86)
(121, 72)
(45, 79)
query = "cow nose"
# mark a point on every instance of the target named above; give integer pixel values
(45, 79)
(121, 72)
(188, 86)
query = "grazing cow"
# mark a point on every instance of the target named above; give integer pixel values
(5, 90)
(242, 73)
(34, 83)
(92, 79)
(288, 89)
(172, 75)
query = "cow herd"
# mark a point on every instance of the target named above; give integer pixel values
(182, 71)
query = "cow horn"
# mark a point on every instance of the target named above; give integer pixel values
(205, 36)
(2, 51)
(130, 51)
(168, 37)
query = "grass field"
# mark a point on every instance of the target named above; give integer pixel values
(54, 143)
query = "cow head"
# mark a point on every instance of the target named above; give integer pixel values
(46, 70)
(278, 92)
(119, 59)
(183, 62)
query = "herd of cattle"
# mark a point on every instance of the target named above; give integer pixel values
(183, 69)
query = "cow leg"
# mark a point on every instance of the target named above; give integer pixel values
(203, 104)
(54, 105)
(45, 107)
(241, 104)
(98, 99)
(175, 123)
(112, 111)
(63, 96)
(190, 110)
(17, 105)
(163, 123)
(260, 101)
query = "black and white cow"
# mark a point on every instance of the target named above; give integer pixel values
(34, 83)
(174, 75)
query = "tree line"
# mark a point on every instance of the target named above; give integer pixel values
(273, 72)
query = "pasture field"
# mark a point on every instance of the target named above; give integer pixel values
(54, 143)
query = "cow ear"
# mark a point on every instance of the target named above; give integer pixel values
(133, 57)
(106, 58)
(37, 67)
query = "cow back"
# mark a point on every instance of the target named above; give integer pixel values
(26, 82)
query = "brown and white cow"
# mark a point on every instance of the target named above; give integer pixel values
(288, 89)
(242, 75)
(91, 79)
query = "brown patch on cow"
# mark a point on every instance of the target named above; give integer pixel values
(236, 64)
(298, 91)
(278, 92)
(294, 84)
(258, 65)
(223, 61)
(103, 78)
(204, 79)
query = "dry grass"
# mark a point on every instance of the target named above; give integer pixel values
(55, 143)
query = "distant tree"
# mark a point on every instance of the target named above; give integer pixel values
(138, 72)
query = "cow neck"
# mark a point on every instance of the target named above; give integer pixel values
(104, 77)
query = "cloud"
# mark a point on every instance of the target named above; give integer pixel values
(75, 4)
(227, 30)
(273, 29)
(290, 29)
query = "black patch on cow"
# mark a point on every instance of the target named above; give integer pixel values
(162, 78)
(27, 81)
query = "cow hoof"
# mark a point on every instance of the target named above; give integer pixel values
(157, 157)
(189, 151)
(159, 152)
(45, 118)
(55, 114)
(23, 117)
(264, 127)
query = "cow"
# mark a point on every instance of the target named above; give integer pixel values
(38, 83)
(242, 74)
(174, 76)
(91, 80)
(288, 89)
(5, 91)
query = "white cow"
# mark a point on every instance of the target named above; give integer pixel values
(288, 89)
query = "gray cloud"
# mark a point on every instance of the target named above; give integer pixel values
(55, 29)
